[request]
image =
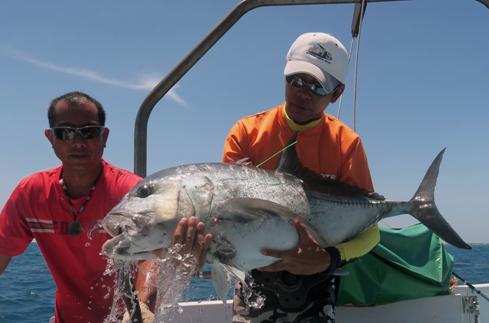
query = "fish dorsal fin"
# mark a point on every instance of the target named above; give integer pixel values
(289, 161)
(312, 181)
(250, 209)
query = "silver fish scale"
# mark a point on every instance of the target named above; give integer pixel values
(232, 181)
(337, 220)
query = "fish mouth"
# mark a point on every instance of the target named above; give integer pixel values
(122, 247)
(116, 223)
(113, 223)
(133, 237)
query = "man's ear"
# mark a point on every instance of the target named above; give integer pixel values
(105, 136)
(49, 134)
(337, 93)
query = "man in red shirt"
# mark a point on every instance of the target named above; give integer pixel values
(62, 207)
(299, 287)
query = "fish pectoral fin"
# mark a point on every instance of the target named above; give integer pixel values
(239, 274)
(220, 280)
(250, 209)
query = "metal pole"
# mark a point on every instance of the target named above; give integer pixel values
(484, 2)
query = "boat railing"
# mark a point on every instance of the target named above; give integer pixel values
(157, 93)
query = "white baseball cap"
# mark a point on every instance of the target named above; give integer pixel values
(320, 55)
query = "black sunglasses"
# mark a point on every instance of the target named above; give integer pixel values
(69, 133)
(314, 87)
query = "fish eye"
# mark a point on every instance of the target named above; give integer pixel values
(144, 191)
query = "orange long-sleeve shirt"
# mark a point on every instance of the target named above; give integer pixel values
(326, 146)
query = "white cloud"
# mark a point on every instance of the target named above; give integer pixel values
(144, 84)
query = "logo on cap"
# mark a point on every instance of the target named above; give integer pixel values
(320, 52)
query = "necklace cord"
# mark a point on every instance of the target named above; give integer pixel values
(75, 227)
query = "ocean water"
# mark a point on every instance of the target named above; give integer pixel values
(27, 290)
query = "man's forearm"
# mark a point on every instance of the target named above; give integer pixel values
(146, 281)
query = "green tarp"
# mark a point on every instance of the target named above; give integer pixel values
(408, 263)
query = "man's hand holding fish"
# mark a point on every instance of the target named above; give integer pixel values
(307, 258)
(191, 235)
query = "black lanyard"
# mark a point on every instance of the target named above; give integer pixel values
(74, 228)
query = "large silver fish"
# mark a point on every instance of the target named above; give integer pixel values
(248, 209)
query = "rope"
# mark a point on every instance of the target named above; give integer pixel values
(340, 104)
(357, 58)
(471, 286)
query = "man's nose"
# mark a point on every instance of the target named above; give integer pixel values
(305, 93)
(78, 139)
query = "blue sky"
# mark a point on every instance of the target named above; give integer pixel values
(423, 84)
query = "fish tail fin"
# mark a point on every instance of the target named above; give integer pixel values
(425, 211)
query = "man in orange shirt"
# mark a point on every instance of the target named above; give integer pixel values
(300, 286)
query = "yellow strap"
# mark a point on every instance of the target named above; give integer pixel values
(299, 127)
(360, 245)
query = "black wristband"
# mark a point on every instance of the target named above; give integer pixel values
(335, 259)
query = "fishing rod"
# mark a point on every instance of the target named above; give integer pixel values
(472, 287)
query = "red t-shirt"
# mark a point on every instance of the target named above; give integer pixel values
(38, 209)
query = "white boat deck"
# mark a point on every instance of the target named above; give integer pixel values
(455, 308)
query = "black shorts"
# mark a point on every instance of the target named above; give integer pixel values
(286, 298)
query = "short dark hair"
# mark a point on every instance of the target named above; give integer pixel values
(75, 98)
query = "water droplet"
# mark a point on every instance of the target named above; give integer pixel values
(93, 230)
